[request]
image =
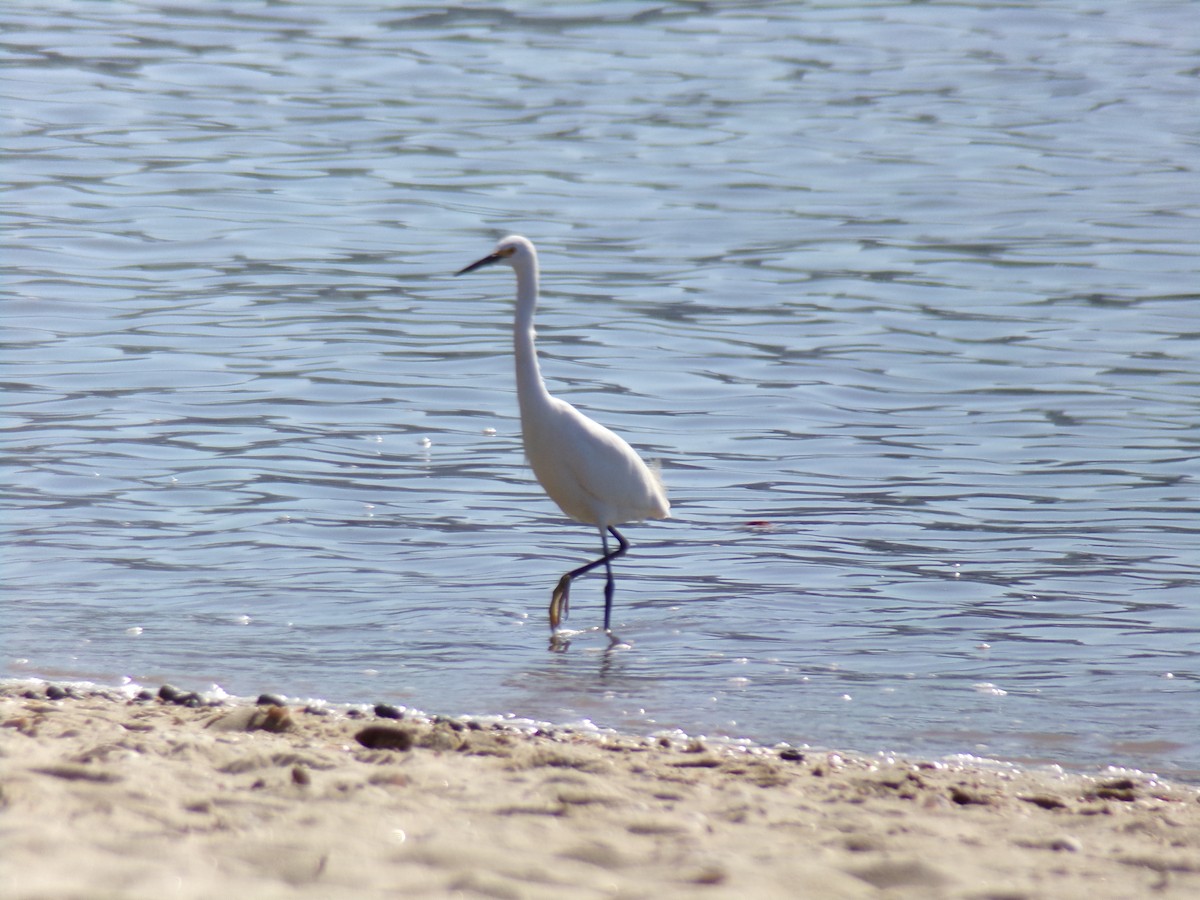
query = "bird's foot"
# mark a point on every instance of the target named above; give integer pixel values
(559, 643)
(614, 642)
(560, 601)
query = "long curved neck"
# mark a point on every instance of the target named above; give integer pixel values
(529, 377)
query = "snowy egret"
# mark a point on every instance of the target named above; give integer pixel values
(593, 475)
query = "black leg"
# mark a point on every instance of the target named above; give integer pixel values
(560, 601)
(623, 545)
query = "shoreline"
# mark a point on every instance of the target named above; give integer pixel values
(104, 794)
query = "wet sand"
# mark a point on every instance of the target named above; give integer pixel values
(106, 796)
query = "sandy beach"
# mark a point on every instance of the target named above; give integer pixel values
(106, 796)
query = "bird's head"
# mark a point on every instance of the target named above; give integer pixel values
(513, 250)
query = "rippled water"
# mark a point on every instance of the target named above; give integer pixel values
(904, 298)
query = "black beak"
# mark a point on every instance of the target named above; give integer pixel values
(479, 264)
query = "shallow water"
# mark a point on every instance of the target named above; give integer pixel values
(903, 297)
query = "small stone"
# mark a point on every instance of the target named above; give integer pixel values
(54, 692)
(1125, 795)
(1045, 801)
(1066, 843)
(270, 700)
(963, 797)
(1123, 789)
(862, 843)
(276, 719)
(384, 737)
(23, 724)
(387, 711)
(442, 737)
(791, 754)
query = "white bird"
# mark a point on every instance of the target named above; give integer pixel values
(592, 474)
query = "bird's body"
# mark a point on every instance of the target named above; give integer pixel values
(584, 458)
(591, 473)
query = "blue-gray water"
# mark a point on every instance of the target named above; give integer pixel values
(903, 296)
